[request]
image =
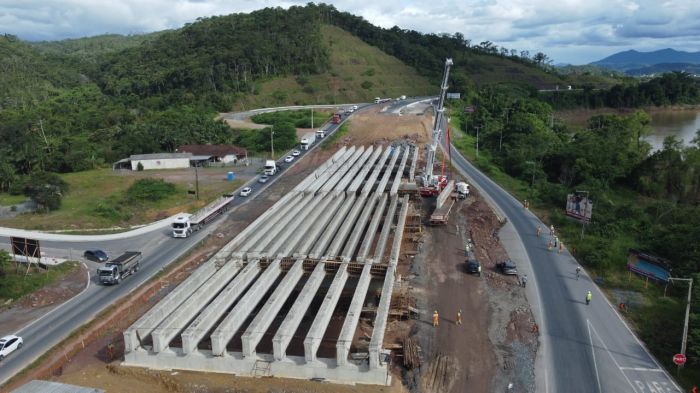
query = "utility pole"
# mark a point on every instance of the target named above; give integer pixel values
(312, 117)
(583, 221)
(196, 180)
(272, 141)
(687, 313)
(477, 142)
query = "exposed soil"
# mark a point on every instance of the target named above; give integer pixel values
(372, 126)
(38, 303)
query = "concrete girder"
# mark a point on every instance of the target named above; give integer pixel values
(332, 170)
(261, 248)
(370, 184)
(184, 313)
(342, 346)
(414, 163)
(388, 170)
(399, 174)
(344, 230)
(342, 170)
(143, 327)
(256, 330)
(291, 322)
(324, 314)
(327, 235)
(350, 176)
(398, 232)
(386, 229)
(359, 230)
(302, 186)
(355, 185)
(309, 239)
(377, 340)
(269, 223)
(198, 328)
(287, 239)
(373, 225)
(229, 326)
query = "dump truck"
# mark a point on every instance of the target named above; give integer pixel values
(184, 226)
(122, 266)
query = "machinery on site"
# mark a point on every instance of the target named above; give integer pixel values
(122, 266)
(462, 190)
(183, 226)
(433, 184)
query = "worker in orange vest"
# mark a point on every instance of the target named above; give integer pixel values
(436, 319)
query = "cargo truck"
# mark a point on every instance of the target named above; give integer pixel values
(183, 226)
(307, 140)
(462, 190)
(320, 133)
(115, 270)
(336, 118)
(270, 167)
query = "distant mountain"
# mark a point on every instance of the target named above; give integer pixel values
(632, 59)
(665, 67)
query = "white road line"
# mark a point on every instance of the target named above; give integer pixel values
(611, 355)
(595, 364)
(658, 370)
(87, 285)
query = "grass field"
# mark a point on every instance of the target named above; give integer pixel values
(9, 200)
(95, 191)
(17, 283)
(359, 72)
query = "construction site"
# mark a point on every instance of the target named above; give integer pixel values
(284, 297)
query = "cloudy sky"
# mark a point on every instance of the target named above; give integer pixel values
(569, 31)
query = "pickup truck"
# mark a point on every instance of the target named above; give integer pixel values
(507, 267)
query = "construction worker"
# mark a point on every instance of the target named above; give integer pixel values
(478, 268)
(551, 230)
(436, 319)
(539, 230)
(556, 241)
(524, 280)
(589, 296)
(578, 271)
(459, 317)
(561, 247)
(535, 328)
(550, 245)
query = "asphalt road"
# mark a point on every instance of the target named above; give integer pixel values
(159, 249)
(587, 348)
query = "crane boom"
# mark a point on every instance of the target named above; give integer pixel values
(428, 178)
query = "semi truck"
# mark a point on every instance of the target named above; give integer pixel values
(115, 270)
(184, 226)
(320, 133)
(336, 118)
(307, 140)
(462, 190)
(270, 167)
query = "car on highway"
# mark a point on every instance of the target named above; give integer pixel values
(263, 179)
(507, 267)
(246, 191)
(473, 266)
(9, 344)
(96, 256)
(296, 153)
(289, 159)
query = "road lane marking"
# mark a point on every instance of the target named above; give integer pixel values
(595, 364)
(87, 285)
(658, 370)
(611, 355)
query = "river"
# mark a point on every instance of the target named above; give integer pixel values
(682, 124)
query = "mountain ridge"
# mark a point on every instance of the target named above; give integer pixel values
(634, 59)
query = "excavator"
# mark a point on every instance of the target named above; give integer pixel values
(433, 184)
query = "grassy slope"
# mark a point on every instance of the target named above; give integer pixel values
(351, 62)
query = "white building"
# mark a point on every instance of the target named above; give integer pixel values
(155, 161)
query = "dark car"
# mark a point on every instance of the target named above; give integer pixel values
(507, 267)
(96, 255)
(473, 266)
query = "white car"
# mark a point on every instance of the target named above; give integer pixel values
(289, 159)
(354, 107)
(246, 191)
(296, 153)
(9, 344)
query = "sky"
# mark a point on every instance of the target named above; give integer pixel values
(568, 31)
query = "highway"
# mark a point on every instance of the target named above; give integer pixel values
(159, 250)
(584, 348)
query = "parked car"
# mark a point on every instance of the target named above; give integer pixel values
(289, 159)
(507, 267)
(9, 344)
(263, 179)
(246, 191)
(96, 255)
(296, 153)
(473, 266)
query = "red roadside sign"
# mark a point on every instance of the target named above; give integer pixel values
(679, 359)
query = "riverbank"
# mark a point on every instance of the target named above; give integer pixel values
(578, 118)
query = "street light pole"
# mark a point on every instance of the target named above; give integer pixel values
(272, 141)
(687, 313)
(196, 180)
(477, 142)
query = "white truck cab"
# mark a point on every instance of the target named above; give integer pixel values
(181, 226)
(270, 167)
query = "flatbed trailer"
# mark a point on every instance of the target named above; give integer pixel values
(441, 214)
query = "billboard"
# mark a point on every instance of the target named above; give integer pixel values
(25, 247)
(579, 207)
(453, 96)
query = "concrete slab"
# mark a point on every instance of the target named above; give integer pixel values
(399, 174)
(398, 232)
(327, 236)
(344, 230)
(353, 316)
(332, 170)
(358, 230)
(302, 186)
(362, 175)
(414, 163)
(310, 238)
(372, 229)
(378, 168)
(377, 339)
(386, 230)
(339, 175)
(388, 170)
(284, 243)
(289, 219)
(324, 314)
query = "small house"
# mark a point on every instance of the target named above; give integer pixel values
(225, 154)
(155, 161)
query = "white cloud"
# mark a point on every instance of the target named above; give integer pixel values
(576, 31)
